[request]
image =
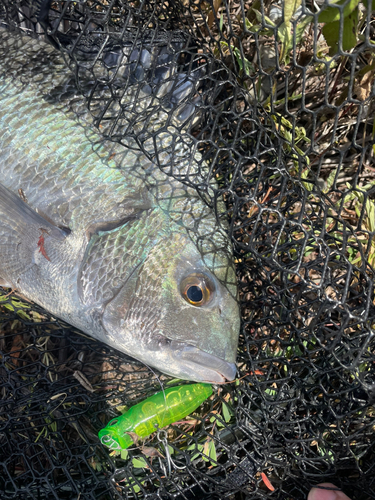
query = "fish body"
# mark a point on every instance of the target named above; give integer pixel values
(155, 412)
(96, 234)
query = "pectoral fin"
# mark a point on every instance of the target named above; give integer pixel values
(22, 231)
(18, 215)
(5, 284)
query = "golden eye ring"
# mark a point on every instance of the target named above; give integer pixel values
(197, 289)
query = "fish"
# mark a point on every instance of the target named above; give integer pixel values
(154, 413)
(102, 236)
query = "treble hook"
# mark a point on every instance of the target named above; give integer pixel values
(162, 438)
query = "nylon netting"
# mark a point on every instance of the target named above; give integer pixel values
(279, 104)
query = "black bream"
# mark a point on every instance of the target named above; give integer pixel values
(99, 236)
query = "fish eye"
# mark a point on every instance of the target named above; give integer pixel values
(197, 289)
(195, 294)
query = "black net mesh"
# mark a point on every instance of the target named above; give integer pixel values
(275, 103)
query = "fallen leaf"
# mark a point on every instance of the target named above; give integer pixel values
(150, 451)
(134, 437)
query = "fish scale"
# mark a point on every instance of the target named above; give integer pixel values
(100, 236)
(105, 257)
(41, 188)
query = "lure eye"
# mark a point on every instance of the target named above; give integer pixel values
(197, 289)
(108, 440)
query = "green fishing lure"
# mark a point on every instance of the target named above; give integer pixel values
(153, 413)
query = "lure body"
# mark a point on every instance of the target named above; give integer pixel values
(153, 413)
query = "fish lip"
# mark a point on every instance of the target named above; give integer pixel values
(213, 370)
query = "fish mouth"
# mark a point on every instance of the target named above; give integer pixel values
(205, 367)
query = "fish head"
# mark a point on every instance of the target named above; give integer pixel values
(175, 314)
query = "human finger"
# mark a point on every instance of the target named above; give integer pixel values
(326, 491)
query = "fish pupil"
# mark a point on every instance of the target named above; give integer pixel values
(194, 293)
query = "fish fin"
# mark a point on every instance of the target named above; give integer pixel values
(22, 232)
(64, 229)
(21, 217)
(5, 284)
(42, 16)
